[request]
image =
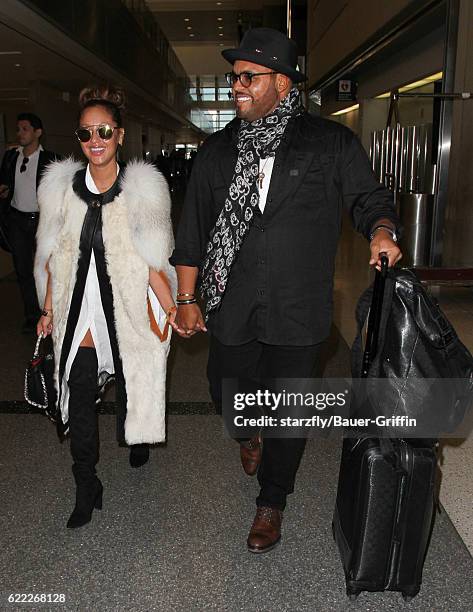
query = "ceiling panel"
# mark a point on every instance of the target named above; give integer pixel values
(23, 62)
(203, 26)
(207, 5)
(209, 22)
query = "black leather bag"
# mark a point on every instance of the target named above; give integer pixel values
(385, 504)
(39, 381)
(417, 366)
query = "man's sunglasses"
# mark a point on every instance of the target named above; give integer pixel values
(104, 131)
(245, 78)
(23, 164)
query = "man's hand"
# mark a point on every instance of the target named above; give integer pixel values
(383, 243)
(4, 191)
(189, 320)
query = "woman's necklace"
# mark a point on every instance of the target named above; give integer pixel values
(261, 174)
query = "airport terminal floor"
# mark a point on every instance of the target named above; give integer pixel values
(171, 535)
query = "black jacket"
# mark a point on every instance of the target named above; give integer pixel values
(280, 287)
(8, 167)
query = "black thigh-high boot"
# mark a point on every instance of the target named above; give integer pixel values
(84, 435)
(139, 454)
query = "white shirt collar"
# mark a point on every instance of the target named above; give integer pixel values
(89, 181)
(40, 148)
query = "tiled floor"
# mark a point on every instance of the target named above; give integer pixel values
(352, 277)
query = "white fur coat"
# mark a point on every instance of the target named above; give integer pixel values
(137, 235)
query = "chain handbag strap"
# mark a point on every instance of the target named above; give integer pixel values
(38, 344)
(43, 382)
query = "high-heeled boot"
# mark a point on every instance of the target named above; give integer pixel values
(84, 435)
(139, 455)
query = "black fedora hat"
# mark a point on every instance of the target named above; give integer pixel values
(269, 48)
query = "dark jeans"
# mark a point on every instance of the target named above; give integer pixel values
(281, 456)
(21, 233)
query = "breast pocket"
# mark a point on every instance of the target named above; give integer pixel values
(313, 188)
(328, 164)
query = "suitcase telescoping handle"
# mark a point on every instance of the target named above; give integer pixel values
(374, 317)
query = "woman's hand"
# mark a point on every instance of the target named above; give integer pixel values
(171, 318)
(45, 325)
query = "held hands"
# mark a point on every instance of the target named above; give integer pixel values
(383, 243)
(188, 320)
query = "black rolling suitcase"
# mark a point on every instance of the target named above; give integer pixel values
(385, 502)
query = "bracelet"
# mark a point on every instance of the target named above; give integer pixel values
(387, 229)
(184, 302)
(186, 295)
(46, 313)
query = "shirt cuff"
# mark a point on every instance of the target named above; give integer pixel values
(181, 258)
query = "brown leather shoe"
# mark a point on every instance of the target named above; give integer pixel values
(265, 532)
(250, 455)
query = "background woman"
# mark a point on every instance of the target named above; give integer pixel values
(103, 242)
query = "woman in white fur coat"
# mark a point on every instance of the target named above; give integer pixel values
(102, 273)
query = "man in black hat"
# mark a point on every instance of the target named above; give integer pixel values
(260, 228)
(20, 174)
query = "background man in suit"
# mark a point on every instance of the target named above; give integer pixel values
(260, 227)
(20, 174)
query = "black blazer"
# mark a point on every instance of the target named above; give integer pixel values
(280, 287)
(8, 167)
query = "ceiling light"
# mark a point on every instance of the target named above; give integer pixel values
(219, 4)
(220, 27)
(186, 19)
(191, 35)
(17, 65)
(347, 110)
(219, 18)
(189, 28)
(220, 34)
(415, 84)
(428, 79)
(10, 52)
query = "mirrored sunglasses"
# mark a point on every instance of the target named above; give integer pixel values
(104, 132)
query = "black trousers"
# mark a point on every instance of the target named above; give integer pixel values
(281, 456)
(22, 234)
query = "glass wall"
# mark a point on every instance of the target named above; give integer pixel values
(209, 88)
(211, 120)
(211, 108)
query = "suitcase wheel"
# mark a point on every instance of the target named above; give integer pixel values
(407, 598)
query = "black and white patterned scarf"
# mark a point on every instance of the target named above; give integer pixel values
(259, 139)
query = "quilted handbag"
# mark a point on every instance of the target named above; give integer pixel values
(39, 381)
